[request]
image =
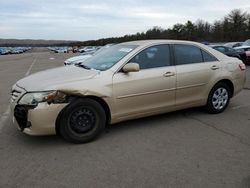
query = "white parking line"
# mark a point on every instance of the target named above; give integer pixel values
(32, 64)
(6, 114)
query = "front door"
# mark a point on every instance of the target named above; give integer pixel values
(152, 89)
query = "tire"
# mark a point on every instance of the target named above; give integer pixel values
(83, 120)
(219, 98)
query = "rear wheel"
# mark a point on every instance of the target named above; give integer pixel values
(219, 98)
(82, 121)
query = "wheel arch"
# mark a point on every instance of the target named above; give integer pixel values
(229, 84)
(101, 101)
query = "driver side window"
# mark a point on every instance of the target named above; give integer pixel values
(153, 57)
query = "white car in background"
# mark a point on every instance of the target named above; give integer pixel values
(84, 56)
(61, 50)
(77, 59)
(87, 49)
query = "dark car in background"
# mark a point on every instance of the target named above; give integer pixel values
(13, 50)
(245, 48)
(233, 44)
(231, 52)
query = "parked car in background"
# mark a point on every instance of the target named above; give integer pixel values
(16, 50)
(245, 48)
(13, 50)
(87, 49)
(126, 81)
(85, 55)
(1, 51)
(4, 51)
(231, 52)
(77, 59)
(233, 44)
(62, 50)
(75, 50)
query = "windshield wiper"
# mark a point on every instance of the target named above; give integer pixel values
(82, 65)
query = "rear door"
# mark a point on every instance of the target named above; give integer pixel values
(196, 70)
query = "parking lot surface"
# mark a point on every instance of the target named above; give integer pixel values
(188, 148)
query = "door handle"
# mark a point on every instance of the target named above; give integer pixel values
(215, 67)
(168, 74)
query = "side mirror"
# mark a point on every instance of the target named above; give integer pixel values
(131, 67)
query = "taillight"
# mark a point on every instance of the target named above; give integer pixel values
(242, 66)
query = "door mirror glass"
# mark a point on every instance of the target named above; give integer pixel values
(131, 67)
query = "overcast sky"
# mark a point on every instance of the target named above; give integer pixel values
(94, 19)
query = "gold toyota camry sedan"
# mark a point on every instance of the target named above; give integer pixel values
(126, 81)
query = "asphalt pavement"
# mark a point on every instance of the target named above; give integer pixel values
(188, 148)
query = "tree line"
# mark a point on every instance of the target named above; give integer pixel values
(235, 26)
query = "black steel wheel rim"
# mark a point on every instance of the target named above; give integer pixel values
(82, 120)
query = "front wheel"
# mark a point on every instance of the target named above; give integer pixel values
(82, 121)
(219, 98)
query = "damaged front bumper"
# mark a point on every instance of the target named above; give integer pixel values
(39, 120)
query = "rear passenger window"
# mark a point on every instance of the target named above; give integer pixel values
(207, 57)
(187, 54)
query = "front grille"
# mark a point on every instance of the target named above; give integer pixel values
(20, 113)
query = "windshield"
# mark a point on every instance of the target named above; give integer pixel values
(247, 43)
(108, 57)
(103, 48)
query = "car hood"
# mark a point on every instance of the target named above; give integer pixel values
(48, 79)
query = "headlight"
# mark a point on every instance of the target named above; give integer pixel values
(47, 96)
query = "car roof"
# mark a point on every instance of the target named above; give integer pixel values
(149, 42)
(142, 44)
